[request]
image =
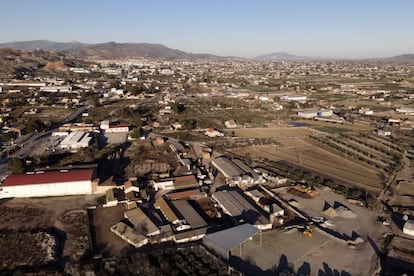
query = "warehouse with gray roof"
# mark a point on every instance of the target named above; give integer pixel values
(234, 204)
(222, 242)
(236, 172)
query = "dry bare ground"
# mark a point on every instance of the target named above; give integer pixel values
(303, 153)
(44, 229)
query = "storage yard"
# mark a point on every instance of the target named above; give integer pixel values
(312, 254)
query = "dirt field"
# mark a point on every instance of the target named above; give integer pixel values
(27, 221)
(105, 242)
(319, 253)
(274, 132)
(30, 213)
(301, 152)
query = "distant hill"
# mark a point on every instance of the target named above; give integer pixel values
(110, 50)
(283, 56)
(403, 58)
(15, 63)
(45, 45)
(113, 50)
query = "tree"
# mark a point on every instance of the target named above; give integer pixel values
(16, 165)
(178, 108)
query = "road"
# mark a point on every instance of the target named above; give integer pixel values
(32, 142)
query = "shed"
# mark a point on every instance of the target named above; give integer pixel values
(222, 242)
(409, 227)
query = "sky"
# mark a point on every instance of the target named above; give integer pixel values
(318, 28)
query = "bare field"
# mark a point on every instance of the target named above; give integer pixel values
(105, 242)
(30, 213)
(301, 152)
(54, 112)
(274, 132)
(44, 229)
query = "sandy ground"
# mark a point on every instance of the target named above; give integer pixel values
(321, 252)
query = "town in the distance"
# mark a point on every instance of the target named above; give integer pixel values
(136, 158)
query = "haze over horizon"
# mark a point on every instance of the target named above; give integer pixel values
(329, 29)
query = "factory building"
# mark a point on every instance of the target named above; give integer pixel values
(129, 234)
(49, 183)
(141, 222)
(237, 172)
(76, 140)
(312, 113)
(189, 214)
(176, 183)
(234, 204)
(222, 242)
(109, 128)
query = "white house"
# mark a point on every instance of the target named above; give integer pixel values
(211, 132)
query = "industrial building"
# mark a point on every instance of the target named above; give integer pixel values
(312, 113)
(162, 205)
(76, 140)
(176, 183)
(237, 172)
(189, 214)
(234, 204)
(180, 214)
(129, 235)
(189, 194)
(109, 128)
(141, 222)
(222, 242)
(49, 183)
(409, 227)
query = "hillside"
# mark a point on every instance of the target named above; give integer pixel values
(403, 58)
(283, 56)
(45, 45)
(15, 63)
(112, 50)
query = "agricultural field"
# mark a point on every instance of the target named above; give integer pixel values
(303, 153)
(351, 158)
(274, 132)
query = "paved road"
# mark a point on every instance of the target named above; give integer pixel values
(31, 143)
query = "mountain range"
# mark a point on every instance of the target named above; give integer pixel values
(284, 56)
(113, 50)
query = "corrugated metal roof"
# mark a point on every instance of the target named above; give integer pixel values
(141, 221)
(232, 237)
(185, 194)
(48, 177)
(238, 206)
(189, 213)
(227, 167)
(169, 214)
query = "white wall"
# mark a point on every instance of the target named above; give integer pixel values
(52, 189)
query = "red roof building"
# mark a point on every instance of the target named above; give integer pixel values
(49, 183)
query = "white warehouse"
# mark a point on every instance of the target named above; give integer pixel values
(49, 183)
(76, 140)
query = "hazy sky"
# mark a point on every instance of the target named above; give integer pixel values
(324, 28)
